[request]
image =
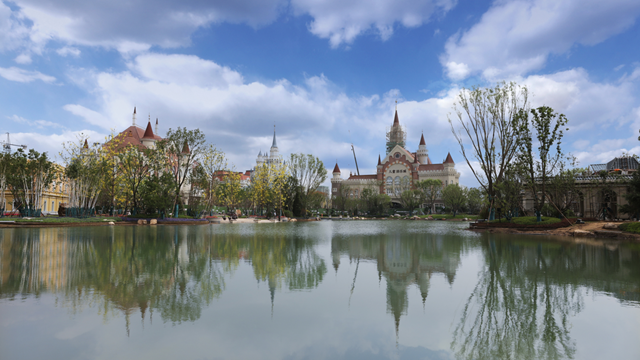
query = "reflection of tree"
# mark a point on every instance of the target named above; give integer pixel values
(177, 271)
(522, 311)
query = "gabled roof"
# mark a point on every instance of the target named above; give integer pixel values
(424, 167)
(402, 151)
(449, 159)
(148, 133)
(336, 169)
(422, 142)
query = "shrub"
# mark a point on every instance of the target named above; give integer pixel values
(632, 227)
(287, 213)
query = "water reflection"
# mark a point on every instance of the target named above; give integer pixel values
(175, 271)
(403, 261)
(528, 292)
(519, 297)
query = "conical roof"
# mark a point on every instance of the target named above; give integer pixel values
(86, 145)
(274, 144)
(185, 148)
(422, 142)
(449, 159)
(379, 162)
(336, 169)
(148, 133)
(396, 122)
(260, 153)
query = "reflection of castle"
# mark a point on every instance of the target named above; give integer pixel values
(403, 262)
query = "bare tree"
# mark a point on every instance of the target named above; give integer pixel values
(488, 121)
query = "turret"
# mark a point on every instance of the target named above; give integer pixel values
(448, 162)
(148, 139)
(422, 153)
(273, 152)
(259, 159)
(336, 172)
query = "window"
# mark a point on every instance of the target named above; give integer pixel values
(52, 207)
(334, 190)
(45, 206)
(356, 193)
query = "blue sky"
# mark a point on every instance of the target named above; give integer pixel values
(327, 73)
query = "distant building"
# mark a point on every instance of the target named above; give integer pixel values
(600, 191)
(398, 170)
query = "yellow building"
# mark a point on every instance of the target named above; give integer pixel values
(52, 196)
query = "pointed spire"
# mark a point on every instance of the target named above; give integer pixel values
(449, 159)
(156, 131)
(148, 133)
(396, 122)
(134, 116)
(260, 153)
(379, 162)
(415, 158)
(336, 169)
(86, 145)
(185, 148)
(422, 142)
(134, 109)
(274, 137)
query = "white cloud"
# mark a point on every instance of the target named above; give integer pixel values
(21, 75)
(341, 21)
(516, 37)
(52, 143)
(37, 123)
(24, 58)
(136, 24)
(313, 117)
(68, 50)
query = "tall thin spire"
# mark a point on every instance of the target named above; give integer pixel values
(274, 137)
(134, 116)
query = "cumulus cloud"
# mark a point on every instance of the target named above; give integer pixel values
(516, 37)
(25, 76)
(238, 116)
(341, 21)
(133, 25)
(52, 143)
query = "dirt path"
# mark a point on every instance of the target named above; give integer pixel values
(588, 230)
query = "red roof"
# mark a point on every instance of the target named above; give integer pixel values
(423, 167)
(429, 160)
(449, 159)
(132, 136)
(336, 169)
(148, 133)
(379, 162)
(396, 122)
(422, 140)
(185, 148)
(363, 177)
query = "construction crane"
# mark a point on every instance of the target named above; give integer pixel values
(354, 154)
(6, 146)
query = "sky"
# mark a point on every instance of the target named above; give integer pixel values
(326, 73)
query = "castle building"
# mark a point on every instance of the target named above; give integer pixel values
(273, 156)
(134, 135)
(398, 171)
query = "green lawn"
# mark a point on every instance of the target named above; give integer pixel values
(60, 220)
(531, 220)
(632, 227)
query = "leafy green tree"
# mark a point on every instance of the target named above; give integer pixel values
(632, 207)
(182, 149)
(373, 202)
(454, 198)
(4, 168)
(411, 200)
(475, 199)
(431, 191)
(539, 166)
(134, 166)
(489, 121)
(309, 171)
(156, 193)
(28, 174)
(341, 197)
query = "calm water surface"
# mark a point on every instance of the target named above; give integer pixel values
(320, 290)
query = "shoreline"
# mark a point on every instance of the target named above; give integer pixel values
(590, 231)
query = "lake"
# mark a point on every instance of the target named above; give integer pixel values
(314, 290)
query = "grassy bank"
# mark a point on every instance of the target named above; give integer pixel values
(530, 220)
(632, 227)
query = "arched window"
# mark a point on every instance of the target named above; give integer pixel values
(389, 181)
(356, 193)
